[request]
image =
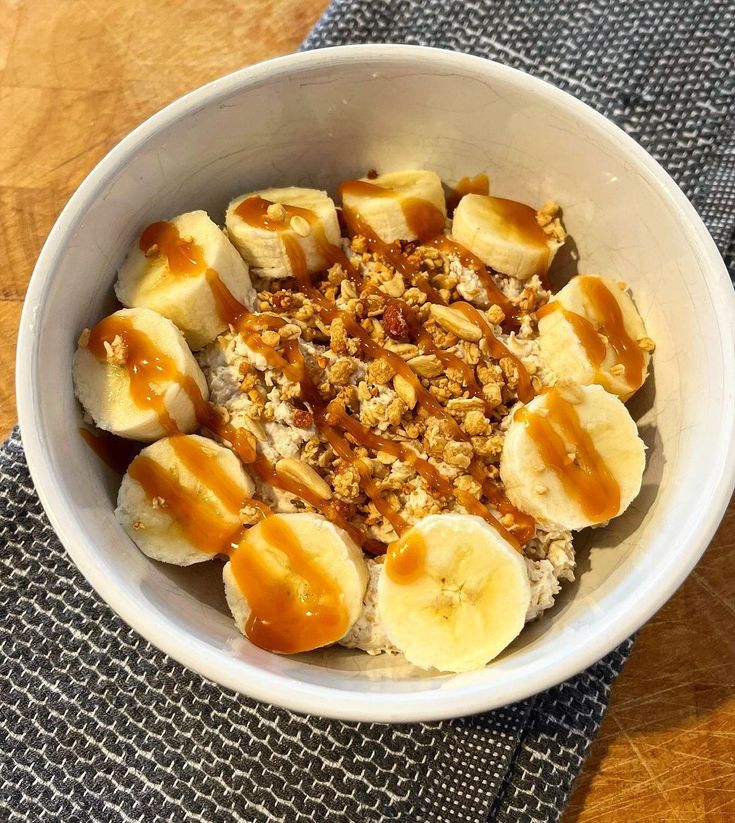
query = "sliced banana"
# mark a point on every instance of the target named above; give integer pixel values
(284, 232)
(181, 497)
(184, 270)
(572, 457)
(453, 593)
(591, 332)
(295, 583)
(505, 235)
(399, 205)
(135, 376)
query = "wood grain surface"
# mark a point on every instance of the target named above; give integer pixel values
(75, 77)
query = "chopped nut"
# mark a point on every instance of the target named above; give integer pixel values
(492, 392)
(300, 225)
(277, 212)
(404, 350)
(348, 290)
(540, 489)
(570, 391)
(476, 423)
(426, 365)
(346, 481)
(460, 406)
(455, 322)
(289, 331)
(548, 217)
(250, 514)
(495, 315)
(405, 390)
(158, 502)
(645, 343)
(83, 340)
(270, 337)
(618, 370)
(299, 472)
(138, 525)
(152, 251)
(254, 427)
(116, 351)
(385, 458)
(395, 286)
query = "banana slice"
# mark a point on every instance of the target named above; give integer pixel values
(591, 332)
(572, 457)
(505, 235)
(400, 205)
(287, 232)
(184, 270)
(295, 583)
(181, 497)
(453, 593)
(135, 376)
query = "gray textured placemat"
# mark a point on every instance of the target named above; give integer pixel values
(99, 726)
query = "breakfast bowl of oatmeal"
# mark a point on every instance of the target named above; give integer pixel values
(372, 414)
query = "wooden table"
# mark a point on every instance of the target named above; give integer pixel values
(75, 77)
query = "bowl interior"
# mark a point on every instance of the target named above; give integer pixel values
(316, 119)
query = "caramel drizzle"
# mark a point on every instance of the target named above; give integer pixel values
(405, 559)
(184, 256)
(583, 473)
(402, 263)
(609, 323)
(467, 185)
(609, 317)
(201, 524)
(254, 211)
(298, 610)
(362, 436)
(497, 349)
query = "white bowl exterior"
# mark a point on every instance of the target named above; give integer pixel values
(315, 119)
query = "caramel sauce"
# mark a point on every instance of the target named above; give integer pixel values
(423, 218)
(405, 560)
(520, 222)
(146, 366)
(200, 522)
(585, 476)
(524, 526)
(610, 319)
(207, 469)
(584, 331)
(609, 323)
(295, 610)
(254, 212)
(497, 349)
(115, 452)
(431, 476)
(185, 258)
(422, 226)
(467, 185)
(470, 261)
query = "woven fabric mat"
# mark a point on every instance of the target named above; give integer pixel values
(97, 725)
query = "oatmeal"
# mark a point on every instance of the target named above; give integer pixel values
(407, 384)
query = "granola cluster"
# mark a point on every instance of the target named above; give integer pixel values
(389, 306)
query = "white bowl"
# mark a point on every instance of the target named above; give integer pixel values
(315, 119)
